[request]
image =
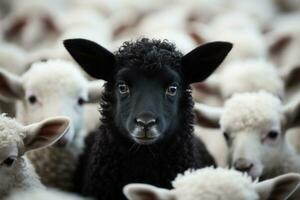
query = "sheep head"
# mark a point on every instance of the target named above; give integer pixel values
(148, 81)
(17, 139)
(47, 89)
(216, 184)
(254, 125)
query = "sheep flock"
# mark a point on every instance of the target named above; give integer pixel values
(82, 115)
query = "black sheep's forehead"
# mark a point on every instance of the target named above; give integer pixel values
(163, 76)
(149, 55)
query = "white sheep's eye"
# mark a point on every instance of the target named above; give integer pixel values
(226, 136)
(9, 161)
(80, 101)
(123, 88)
(32, 99)
(273, 135)
(171, 90)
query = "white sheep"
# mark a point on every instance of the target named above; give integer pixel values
(202, 10)
(283, 40)
(254, 125)
(261, 11)
(16, 171)
(44, 194)
(248, 75)
(75, 23)
(13, 59)
(172, 26)
(51, 88)
(32, 23)
(216, 184)
(236, 77)
(240, 30)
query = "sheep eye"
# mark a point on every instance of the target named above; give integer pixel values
(272, 135)
(123, 88)
(226, 136)
(32, 99)
(171, 90)
(81, 101)
(9, 161)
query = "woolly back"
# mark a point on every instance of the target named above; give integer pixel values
(10, 131)
(214, 184)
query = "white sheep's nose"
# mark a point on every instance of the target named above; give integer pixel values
(243, 165)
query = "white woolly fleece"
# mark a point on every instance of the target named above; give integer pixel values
(59, 87)
(10, 131)
(250, 76)
(248, 118)
(251, 110)
(261, 11)
(12, 58)
(21, 175)
(248, 42)
(53, 77)
(286, 26)
(41, 194)
(214, 184)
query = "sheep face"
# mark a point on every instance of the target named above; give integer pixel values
(254, 133)
(9, 160)
(17, 139)
(47, 89)
(147, 82)
(254, 126)
(147, 103)
(11, 147)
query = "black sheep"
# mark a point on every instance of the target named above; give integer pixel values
(146, 134)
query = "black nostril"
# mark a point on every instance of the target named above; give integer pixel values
(243, 165)
(145, 122)
(151, 122)
(146, 119)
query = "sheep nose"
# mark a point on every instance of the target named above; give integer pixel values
(243, 165)
(146, 120)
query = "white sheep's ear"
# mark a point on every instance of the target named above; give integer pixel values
(45, 133)
(147, 192)
(278, 43)
(290, 76)
(11, 87)
(95, 90)
(292, 112)
(207, 116)
(279, 188)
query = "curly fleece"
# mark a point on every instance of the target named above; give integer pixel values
(211, 184)
(109, 163)
(258, 109)
(22, 174)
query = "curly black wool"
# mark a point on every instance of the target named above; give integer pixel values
(110, 161)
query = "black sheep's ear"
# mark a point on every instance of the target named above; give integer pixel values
(202, 61)
(97, 61)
